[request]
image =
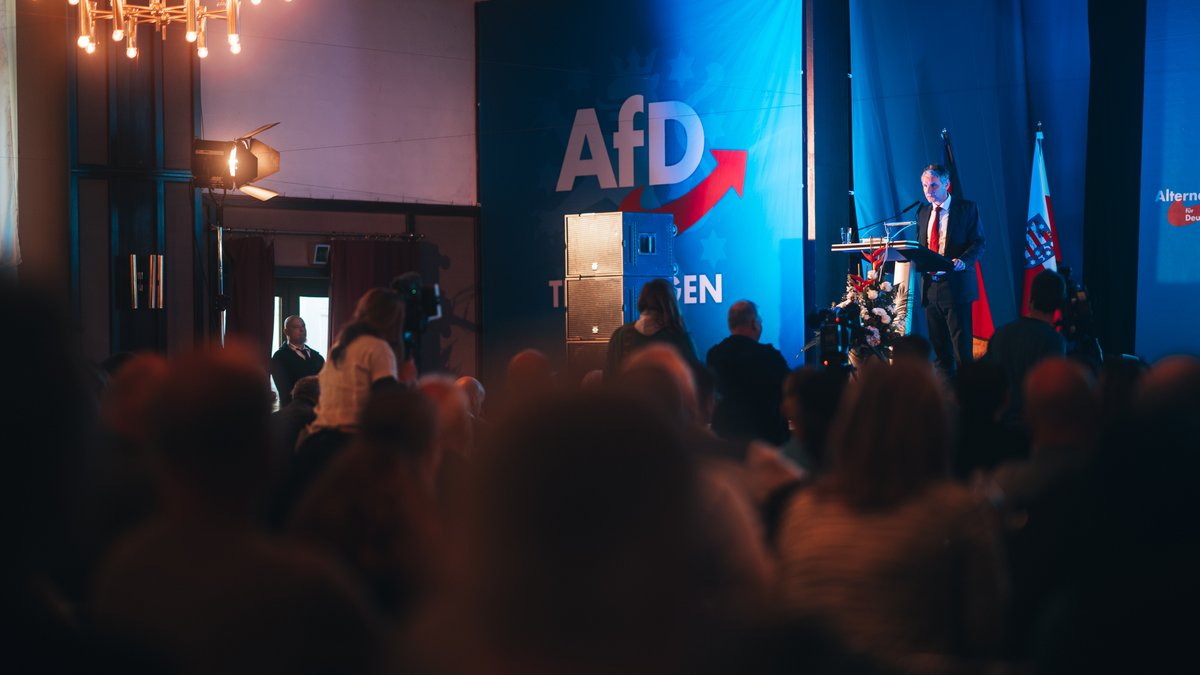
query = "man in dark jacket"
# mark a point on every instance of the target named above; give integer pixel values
(750, 379)
(294, 359)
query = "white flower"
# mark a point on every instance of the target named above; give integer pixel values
(886, 286)
(873, 294)
(880, 312)
(886, 319)
(873, 336)
(871, 274)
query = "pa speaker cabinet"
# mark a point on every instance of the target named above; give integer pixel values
(597, 306)
(584, 357)
(618, 243)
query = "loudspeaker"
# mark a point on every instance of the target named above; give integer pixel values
(584, 357)
(610, 244)
(597, 306)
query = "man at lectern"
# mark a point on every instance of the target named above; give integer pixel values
(951, 227)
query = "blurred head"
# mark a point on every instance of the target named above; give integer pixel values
(400, 424)
(658, 375)
(810, 402)
(213, 433)
(307, 388)
(913, 347)
(1047, 292)
(744, 319)
(127, 405)
(475, 393)
(529, 373)
(658, 298)
(295, 330)
(453, 414)
(891, 437)
(1061, 406)
(580, 536)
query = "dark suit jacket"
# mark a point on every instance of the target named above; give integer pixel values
(964, 240)
(287, 367)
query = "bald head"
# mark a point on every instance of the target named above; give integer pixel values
(475, 393)
(295, 330)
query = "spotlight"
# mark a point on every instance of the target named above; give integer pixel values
(233, 165)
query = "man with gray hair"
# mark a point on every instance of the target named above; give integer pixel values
(750, 379)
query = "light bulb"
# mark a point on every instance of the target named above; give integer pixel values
(118, 35)
(236, 48)
(72, 2)
(234, 39)
(190, 36)
(83, 41)
(91, 48)
(256, 2)
(131, 52)
(202, 52)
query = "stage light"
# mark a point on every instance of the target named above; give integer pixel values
(233, 165)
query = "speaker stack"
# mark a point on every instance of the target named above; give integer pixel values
(609, 257)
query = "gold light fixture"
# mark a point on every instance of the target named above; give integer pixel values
(125, 16)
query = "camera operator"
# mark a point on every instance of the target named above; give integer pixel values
(1019, 345)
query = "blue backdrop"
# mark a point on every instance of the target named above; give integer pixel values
(693, 107)
(1168, 308)
(987, 72)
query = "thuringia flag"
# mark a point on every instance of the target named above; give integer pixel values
(1041, 239)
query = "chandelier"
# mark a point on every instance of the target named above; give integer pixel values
(125, 17)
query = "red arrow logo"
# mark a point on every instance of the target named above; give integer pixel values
(1180, 215)
(730, 172)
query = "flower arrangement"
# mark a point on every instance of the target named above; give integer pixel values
(881, 306)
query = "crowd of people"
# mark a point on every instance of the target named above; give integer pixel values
(666, 515)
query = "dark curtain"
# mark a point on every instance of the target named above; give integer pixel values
(250, 286)
(357, 266)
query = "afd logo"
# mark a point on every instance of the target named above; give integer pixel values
(586, 134)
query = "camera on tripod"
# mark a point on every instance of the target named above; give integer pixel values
(1077, 325)
(840, 326)
(422, 304)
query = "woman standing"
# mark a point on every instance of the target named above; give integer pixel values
(659, 321)
(363, 358)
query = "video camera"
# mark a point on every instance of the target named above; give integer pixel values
(1076, 324)
(839, 327)
(422, 304)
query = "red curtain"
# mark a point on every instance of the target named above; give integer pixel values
(357, 266)
(250, 287)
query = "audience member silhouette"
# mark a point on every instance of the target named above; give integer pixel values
(900, 562)
(749, 378)
(984, 441)
(373, 506)
(1019, 345)
(199, 587)
(363, 358)
(659, 320)
(288, 424)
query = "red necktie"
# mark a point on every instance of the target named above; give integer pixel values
(935, 232)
